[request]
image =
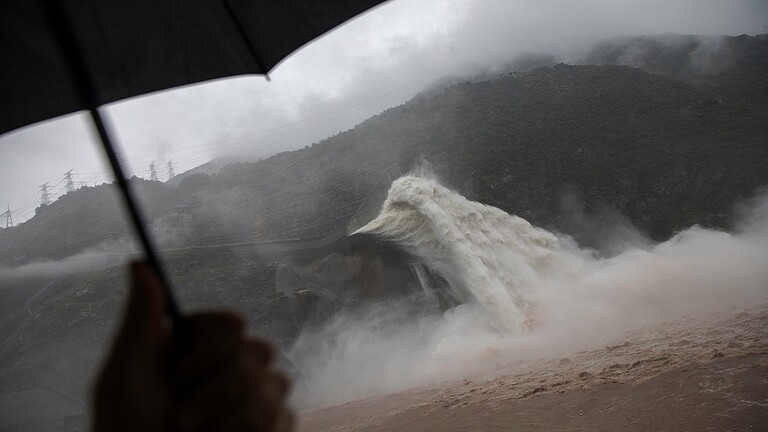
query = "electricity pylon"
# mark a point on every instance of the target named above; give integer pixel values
(70, 185)
(45, 196)
(8, 217)
(171, 173)
(152, 172)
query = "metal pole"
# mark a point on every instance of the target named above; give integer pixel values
(73, 56)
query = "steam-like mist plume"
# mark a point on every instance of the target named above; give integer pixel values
(102, 256)
(528, 293)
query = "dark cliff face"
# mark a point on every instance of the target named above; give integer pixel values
(657, 150)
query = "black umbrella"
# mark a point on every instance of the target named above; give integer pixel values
(63, 56)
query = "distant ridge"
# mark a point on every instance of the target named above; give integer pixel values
(671, 148)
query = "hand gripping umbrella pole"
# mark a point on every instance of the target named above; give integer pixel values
(75, 62)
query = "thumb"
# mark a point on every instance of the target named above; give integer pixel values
(143, 323)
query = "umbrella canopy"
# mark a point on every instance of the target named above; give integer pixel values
(62, 56)
(134, 47)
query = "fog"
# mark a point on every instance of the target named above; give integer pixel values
(376, 61)
(96, 258)
(532, 294)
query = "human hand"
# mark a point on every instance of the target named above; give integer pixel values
(218, 380)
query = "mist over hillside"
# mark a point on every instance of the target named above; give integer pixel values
(672, 144)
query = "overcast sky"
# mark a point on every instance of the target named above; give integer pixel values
(374, 62)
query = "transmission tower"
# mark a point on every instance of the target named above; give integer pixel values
(45, 196)
(152, 172)
(171, 173)
(8, 217)
(70, 185)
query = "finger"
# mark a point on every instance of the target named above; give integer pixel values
(234, 381)
(215, 339)
(135, 360)
(273, 385)
(261, 352)
(266, 414)
(231, 384)
(143, 326)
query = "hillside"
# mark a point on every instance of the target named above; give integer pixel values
(730, 68)
(665, 150)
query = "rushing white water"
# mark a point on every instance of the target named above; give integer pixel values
(517, 277)
(499, 257)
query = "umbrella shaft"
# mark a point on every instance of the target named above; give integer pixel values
(73, 56)
(133, 210)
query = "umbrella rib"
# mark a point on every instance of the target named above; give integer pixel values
(246, 39)
(75, 60)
